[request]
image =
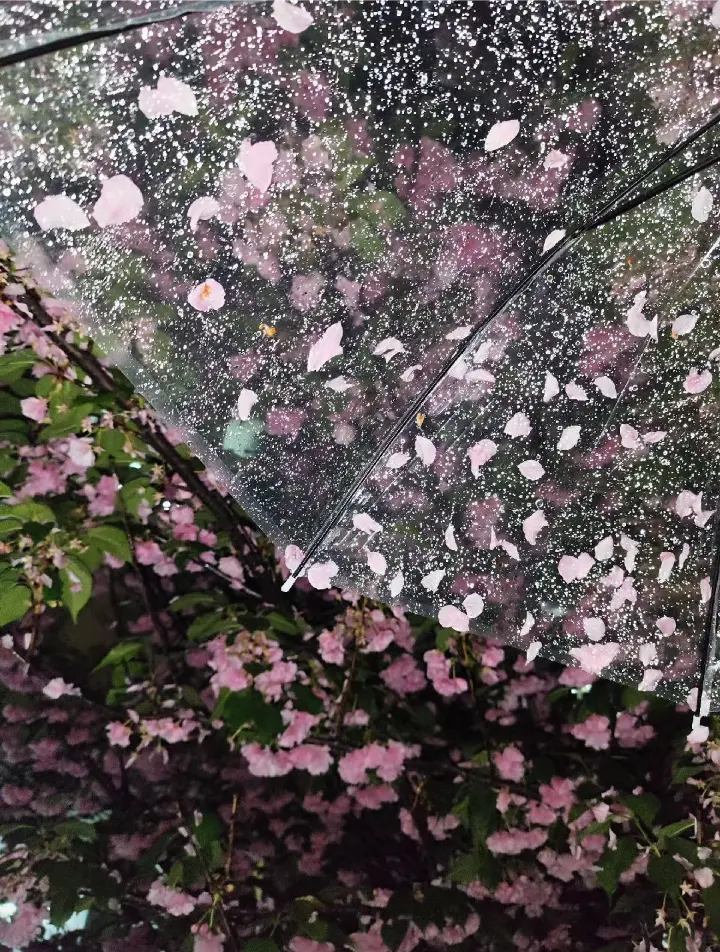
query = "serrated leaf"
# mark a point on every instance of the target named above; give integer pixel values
(205, 626)
(120, 653)
(76, 586)
(15, 600)
(192, 600)
(110, 539)
(615, 862)
(14, 364)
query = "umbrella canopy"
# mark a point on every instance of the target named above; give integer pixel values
(432, 288)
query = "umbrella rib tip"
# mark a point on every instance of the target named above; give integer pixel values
(288, 583)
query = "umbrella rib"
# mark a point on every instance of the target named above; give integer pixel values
(709, 646)
(70, 41)
(560, 250)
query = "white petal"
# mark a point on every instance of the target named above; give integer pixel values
(604, 549)
(365, 523)
(533, 651)
(519, 425)
(246, 401)
(501, 134)
(409, 374)
(473, 605)
(553, 239)
(451, 617)
(685, 324)
(397, 584)
(396, 460)
(594, 628)
(377, 562)
(606, 387)
(531, 469)
(425, 449)
(432, 580)
(460, 333)
(533, 525)
(552, 387)
(527, 625)
(629, 437)
(60, 211)
(702, 205)
(569, 438)
(450, 538)
(339, 384)
(574, 391)
(327, 347)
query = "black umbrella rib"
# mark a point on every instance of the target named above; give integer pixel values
(606, 212)
(70, 41)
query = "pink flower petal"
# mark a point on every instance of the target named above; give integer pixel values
(120, 201)
(552, 387)
(533, 526)
(397, 460)
(594, 628)
(531, 469)
(554, 238)
(697, 381)
(473, 605)
(595, 658)
(208, 296)
(702, 204)
(293, 556)
(666, 626)
(555, 159)
(533, 651)
(432, 580)
(256, 162)
(397, 584)
(629, 437)
(290, 16)
(365, 523)
(425, 449)
(574, 391)
(321, 574)
(604, 549)
(170, 95)
(685, 324)
(451, 617)
(377, 562)
(501, 134)
(480, 453)
(569, 438)
(606, 387)
(60, 211)
(34, 408)
(450, 538)
(326, 348)
(389, 348)
(636, 323)
(201, 209)
(650, 679)
(518, 425)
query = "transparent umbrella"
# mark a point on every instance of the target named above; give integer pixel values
(431, 288)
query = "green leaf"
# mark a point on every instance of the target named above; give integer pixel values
(208, 830)
(381, 209)
(682, 774)
(249, 709)
(260, 945)
(644, 807)
(192, 600)
(14, 602)
(175, 876)
(205, 626)
(665, 872)
(677, 940)
(443, 637)
(66, 423)
(366, 240)
(306, 700)
(14, 365)
(711, 902)
(136, 492)
(28, 512)
(283, 624)
(77, 830)
(76, 586)
(110, 539)
(5, 490)
(675, 829)
(614, 862)
(120, 653)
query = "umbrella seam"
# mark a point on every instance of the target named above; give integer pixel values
(568, 242)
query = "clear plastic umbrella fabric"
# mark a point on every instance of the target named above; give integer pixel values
(431, 288)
